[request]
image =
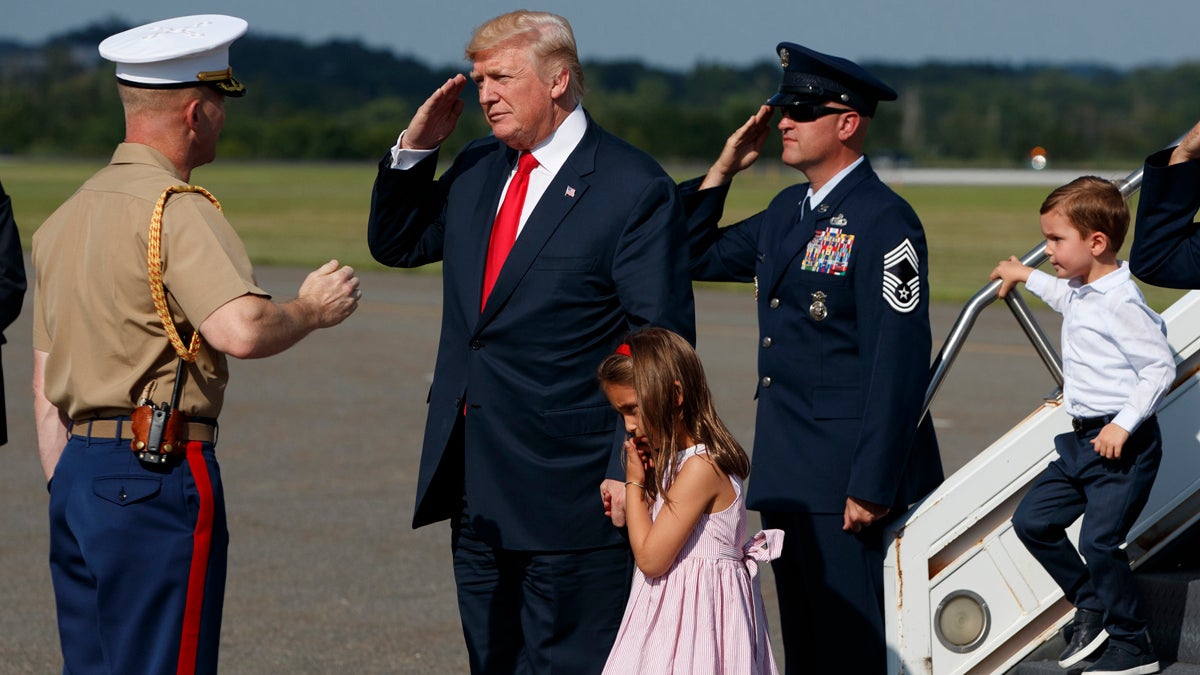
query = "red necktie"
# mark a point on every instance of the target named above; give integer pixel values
(504, 230)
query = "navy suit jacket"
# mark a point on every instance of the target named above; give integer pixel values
(841, 385)
(1166, 242)
(602, 253)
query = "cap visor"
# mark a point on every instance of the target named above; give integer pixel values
(784, 98)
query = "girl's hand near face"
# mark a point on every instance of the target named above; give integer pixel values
(637, 459)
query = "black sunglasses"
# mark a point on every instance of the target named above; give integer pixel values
(807, 112)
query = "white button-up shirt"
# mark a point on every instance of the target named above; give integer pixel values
(1116, 360)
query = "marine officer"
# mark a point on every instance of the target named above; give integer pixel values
(142, 291)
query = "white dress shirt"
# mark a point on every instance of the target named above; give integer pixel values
(816, 197)
(1116, 360)
(551, 154)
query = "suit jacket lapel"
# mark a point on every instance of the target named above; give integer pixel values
(563, 193)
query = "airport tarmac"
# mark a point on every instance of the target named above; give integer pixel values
(319, 450)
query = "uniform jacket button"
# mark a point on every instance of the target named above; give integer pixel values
(774, 303)
(766, 381)
(766, 342)
(476, 344)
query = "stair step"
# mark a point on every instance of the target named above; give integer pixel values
(1048, 667)
(1171, 603)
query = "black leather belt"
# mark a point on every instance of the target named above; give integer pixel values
(1082, 424)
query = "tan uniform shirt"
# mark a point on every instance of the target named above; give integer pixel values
(93, 312)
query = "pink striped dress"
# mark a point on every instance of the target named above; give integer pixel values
(705, 615)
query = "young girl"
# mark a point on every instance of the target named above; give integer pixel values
(695, 605)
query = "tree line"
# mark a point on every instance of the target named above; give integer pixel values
(342, 100)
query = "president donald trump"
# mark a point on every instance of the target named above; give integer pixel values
(556, 238)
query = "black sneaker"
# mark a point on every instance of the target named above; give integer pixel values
(1122, 657)
(1085, 634)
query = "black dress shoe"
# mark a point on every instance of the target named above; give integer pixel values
(1126, 657)
(1085, 635)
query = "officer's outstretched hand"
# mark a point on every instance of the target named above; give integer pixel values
(1189, 148)
(332, 291)
(436, 118)
(741, 149)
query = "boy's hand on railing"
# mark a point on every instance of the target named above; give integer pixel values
(1010, 272)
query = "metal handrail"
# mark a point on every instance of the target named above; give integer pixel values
(989, 293)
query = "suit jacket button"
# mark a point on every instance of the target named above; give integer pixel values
(774, 303)
(766, 342)
(476, 344)
(766, 381)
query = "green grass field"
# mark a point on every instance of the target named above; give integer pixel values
(303, 214)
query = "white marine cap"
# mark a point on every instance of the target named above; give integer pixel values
(182, 52)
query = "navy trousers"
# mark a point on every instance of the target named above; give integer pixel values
(830, 588)
(538, 612)
(1109, 494)
(137, 557)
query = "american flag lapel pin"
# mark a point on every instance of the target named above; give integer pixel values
(570, 191)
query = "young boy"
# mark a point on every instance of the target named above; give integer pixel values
(1117, 368)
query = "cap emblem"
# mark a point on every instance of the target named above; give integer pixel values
(785, 59)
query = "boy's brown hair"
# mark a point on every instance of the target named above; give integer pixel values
(1092, 204)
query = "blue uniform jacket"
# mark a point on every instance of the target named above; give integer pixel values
(601, 254)
(844, 351)
(1166, 243)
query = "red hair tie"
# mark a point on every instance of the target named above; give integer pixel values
(623, 350)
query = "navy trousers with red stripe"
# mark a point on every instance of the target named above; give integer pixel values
(137, 556)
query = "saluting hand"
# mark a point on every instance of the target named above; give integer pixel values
(435, 120)
(332, 291)
(741, 149)
(1189, 147)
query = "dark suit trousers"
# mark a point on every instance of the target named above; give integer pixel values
(1110, 494)
(538, 611)
(830, 587)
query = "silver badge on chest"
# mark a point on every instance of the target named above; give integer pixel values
(817, 309)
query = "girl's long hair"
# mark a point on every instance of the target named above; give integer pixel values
(660, 366)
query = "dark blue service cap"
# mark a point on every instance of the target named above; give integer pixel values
(812, 77)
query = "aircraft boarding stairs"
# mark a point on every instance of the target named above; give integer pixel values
(962, 595)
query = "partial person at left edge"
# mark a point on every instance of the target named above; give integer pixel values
(131, 267)
(12, 286)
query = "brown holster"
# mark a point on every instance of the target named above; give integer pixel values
(173, 434)
(159, 431)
